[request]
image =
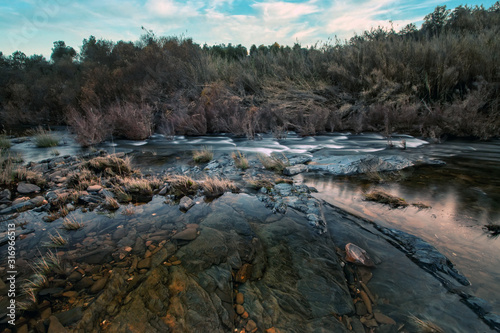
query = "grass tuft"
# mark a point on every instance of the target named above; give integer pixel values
(203, 156)
(384, 198)
(111, 203)
(214, 186)
(4, 141)
(56, 241)
(182, 185)
(70, 223)
(110, 165)
(44, 138)
(274, 162)
(240, 160)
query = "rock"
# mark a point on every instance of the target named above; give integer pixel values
(38, 201)
(188, 234)
(55, 326)
(361, 308)
(26, 188)
(244, 273)
(185, 204)
(368, 322)
(239, 309)
(251, 326)
(245, 315)
(294, 169)
(70, 294)
(94, 188)
(383, 319)
(240, 298)
(357, 255)
(75, 276)
(144, 263)
(5, 196)
(20, 207)
(98, 285)
(22, 329)
(46, 313)
(357, 326)
(69, 317)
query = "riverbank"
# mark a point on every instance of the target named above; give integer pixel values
(274, 243)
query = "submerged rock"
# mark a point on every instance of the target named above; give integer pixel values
(357, 255)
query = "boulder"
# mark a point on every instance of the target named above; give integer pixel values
(294, 169)
(26, 188)
(185, 204)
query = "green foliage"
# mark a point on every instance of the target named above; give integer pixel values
(44, 138)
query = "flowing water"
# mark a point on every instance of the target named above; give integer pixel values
(464, 194)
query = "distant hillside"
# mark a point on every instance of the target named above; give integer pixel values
(441, 79)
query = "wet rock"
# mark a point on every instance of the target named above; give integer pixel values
(5, 196)
(50, 291)
(357, 326)
(144, 263)
(383, 319)
(244, 273)
(26, 188)
(55, 326)
(90, 199)
(239, 309)
(294, 170)
(69, 317)
(20, 207)
(251, 326)
(240, 298)
(188, 234)
(357, 255)
(185, 204)
(98, 285)
(361, 308)
(299, 159)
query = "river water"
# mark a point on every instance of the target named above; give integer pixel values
(464, 194)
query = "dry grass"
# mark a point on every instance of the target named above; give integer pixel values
(23, 174)
(81, 179)
(121, 194)
(44, 138)
(274, 162)
(70, 223)
(240, 160)
(257, 184)
(110, 203)
(214, 186)
(182, 185)
(42, 268)
(426, 326)
(56, 241)
(384, 198)
(203, 156)
(110, 165)
(4, 142)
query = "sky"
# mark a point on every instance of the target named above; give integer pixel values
(32, 26)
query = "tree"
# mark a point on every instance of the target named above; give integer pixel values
(61, 51)
(96, 51)
(435, 21)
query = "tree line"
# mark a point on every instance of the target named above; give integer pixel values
(440, 79)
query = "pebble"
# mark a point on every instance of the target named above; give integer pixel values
(383, 319)
(144, 263)
(26, 188)
(240, 298)
(244, 315)
(240, 309)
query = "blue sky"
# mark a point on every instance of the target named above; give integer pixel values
(32, 26)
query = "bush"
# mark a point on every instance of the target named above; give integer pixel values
(240, 160)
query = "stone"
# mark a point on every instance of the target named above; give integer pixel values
(94, 188)
(360, 308)
(244, 315)
(38, 201)
(383, 319)
(294, 169)
(239, 309)
(70, 293)
(185, 204)
(357, 255)
(75, 276)
(251, 326)
(55, 326)
(5, 196)
(69, 317)
(144, 263)
(26, 188)
(98, 285)
(186, 235)
(46, 313)
(240, 298)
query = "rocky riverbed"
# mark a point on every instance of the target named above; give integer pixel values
(102, 247)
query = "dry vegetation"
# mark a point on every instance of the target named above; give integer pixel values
(274, 162)
(240, 160)
(214, 186)
(204, 155)
(387, 199)
(436, 80)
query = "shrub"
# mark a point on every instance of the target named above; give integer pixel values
(91, 127)
(110, 165)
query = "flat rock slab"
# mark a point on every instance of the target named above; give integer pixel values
(26, 188)
(188, 235)
(295, 169)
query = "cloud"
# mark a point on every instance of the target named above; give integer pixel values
(173, 9)
(284, 10)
